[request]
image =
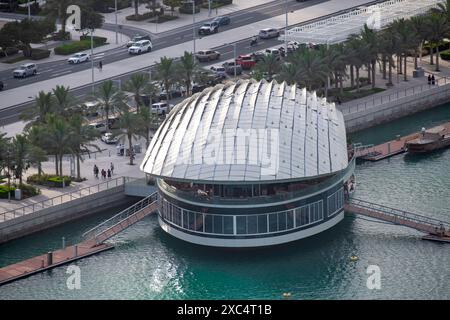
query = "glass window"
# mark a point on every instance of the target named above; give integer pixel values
(282, 221)
(241, 224)
(262, 223)
(191, 220)
(199, 222)
(218, 224)
(228, 224)
(305, 215)
(290, 219)
(177, 216)
(298, 215)
(252, 224)
(185, 219)
(208, 223)
(273, 222)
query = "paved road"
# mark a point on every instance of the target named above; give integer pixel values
(163, 40)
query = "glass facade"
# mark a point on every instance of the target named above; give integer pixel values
(256, 224)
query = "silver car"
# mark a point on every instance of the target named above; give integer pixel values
(269, 33)
(25, 70)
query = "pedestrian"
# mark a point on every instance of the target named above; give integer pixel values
(433, 80)
(95, 171)
(112, 168)
(100, 65)
(109, 173)
(429, 79)
(103, 174)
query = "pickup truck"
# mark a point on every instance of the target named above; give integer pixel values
(245, 61)
(209, 28)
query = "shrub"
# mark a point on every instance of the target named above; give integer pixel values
(188, 9)
(445, 55)
(8, 52)
(27, 190)
(74, 47)
(4, 190)
(48, 180)
(97, 40)
(38, 54)
(60, 36)
(140, 17)
(164, 18)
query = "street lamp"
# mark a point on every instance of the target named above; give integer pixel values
(117, 31)
(235, 56)
(193, 20)
(9, 175)
(286, 28)
(92, 60)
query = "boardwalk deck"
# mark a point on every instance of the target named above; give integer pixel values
(93, 244)
(390, 148)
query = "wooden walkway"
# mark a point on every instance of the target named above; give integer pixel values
(390, 148)
(434, 228)
(92, 245)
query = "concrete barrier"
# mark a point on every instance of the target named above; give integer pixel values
(58, 214)
(396, 109)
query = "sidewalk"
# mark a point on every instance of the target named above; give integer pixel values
(183, 20)
(110, 35)
(82, 78)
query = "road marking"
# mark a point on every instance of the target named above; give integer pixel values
(60, 73)
(242, 20)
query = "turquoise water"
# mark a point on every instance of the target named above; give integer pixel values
(148, 264)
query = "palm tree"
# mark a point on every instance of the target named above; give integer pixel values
(21, 148)
(138, 85)
(36, 136)
(58, 139)
(288, 73)
(418, 25)
(147, 122)
(109, 98)
(81, 137)
(43, 106)
(370, 40)
(136, 7)
(58, 9)
(388, 47)
(64, 102)
(187, 68)
(166, 73)
(438, 28)
(129, 129)
(442, 9)
(269, 65)
(4, 145)
(357, 55)
(312, 71)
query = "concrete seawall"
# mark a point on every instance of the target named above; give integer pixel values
(59, 214)
(397, 109)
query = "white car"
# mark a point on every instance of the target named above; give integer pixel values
(220, 71)
(140, 47)
(79, 58)
(160, 108)
(109, 138)
(269, 33)
(25, 70)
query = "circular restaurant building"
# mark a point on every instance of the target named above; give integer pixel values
(250, 164)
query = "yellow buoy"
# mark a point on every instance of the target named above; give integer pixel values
(353, 258)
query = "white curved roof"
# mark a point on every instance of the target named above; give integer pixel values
(249, 132)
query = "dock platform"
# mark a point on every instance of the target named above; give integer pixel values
(390, 148)
(58, 258)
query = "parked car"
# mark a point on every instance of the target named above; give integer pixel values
(174, 93)
(222, 20)
(209, 28)
(269, 33)
(275, 52)
(160, 108)
(246, 61)
(99, 126)
(198, 88)
(258, 56)
(207, 55)
(90, 109)
(25, 70)
(1, 85)
(113, 122)
(79, 58)
(231, 66)
(141, 47)
(137, 38)
(220, 71)
(108, 138)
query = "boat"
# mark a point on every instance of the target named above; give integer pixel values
(429, 140)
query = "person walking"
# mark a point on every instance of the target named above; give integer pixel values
(109, 173)
(95, 171)
(433, 80)
(429, 79)
(112, 168)
(103, 174)
(100, 65)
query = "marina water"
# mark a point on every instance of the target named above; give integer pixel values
(149, 264)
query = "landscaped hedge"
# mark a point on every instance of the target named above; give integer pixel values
(188, 10)
(4, 191)
(443, 45)
(217, 4)
(38, 54)
(74, 47)
(164, 18)
(445, 55)
(140, 17)
(48, 180)
(97, 40)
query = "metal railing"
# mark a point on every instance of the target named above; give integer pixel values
(63, 198)
(121, 216)
(380, 100)
(400, 214)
